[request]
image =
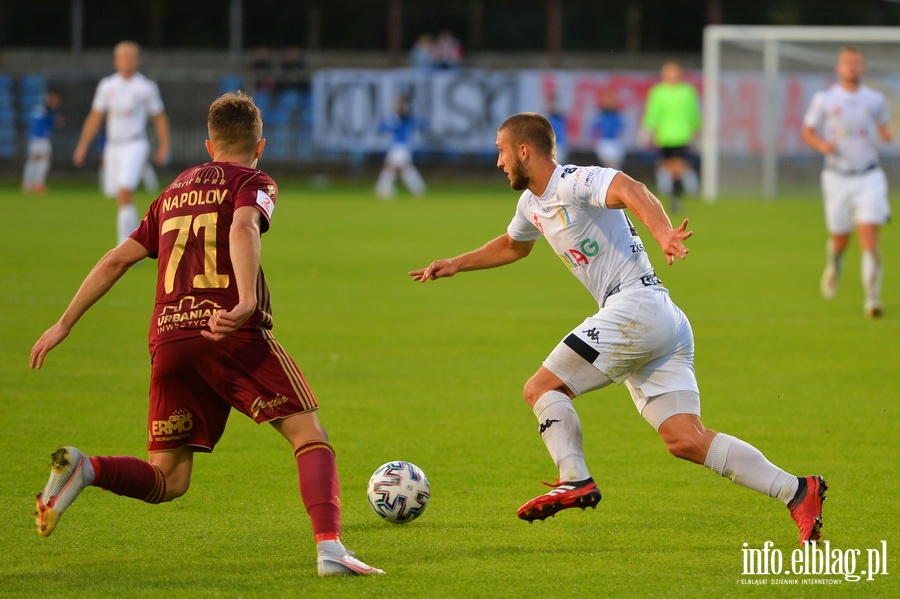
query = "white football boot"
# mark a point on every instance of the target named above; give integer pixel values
(335, 560)
(70, 472)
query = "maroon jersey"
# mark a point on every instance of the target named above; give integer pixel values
(187, 229)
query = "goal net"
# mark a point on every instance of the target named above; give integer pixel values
(757, 84)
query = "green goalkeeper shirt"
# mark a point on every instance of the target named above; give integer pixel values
(672, 114)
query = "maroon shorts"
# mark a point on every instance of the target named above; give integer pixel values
(195, 382)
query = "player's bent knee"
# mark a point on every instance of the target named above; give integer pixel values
(533, 390)
(176, 486)
(683, 448)
(541, 382)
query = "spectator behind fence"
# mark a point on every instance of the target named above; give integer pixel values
(263, 72)
(420, 54)
(294, 74)
(447, 52)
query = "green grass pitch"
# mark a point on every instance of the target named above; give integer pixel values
(433, 374)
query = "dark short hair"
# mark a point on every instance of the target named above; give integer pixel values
(533, 129)
(234, 122)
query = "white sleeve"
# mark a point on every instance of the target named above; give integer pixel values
(815, 113)
(100, 97)
(520, 228)
(589, 185)
(154, 101)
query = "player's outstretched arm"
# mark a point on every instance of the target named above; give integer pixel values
(161, 121)
(102, 277)
(88, 133)
(498, 252)
(625, 192)
(244, 248)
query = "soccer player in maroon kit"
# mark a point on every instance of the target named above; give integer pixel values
(211, 343)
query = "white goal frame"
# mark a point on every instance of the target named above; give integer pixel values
(770, 37)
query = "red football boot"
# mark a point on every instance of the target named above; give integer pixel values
(806, 507)
(564, 495)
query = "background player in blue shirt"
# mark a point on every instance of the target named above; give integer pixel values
(402, 126)
(44, 119)
(560, 123)
(607, 132)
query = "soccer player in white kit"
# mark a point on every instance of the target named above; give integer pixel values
(127, 99)
(639, 337)
(842, 123)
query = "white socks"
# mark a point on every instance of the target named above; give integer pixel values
(871, 275)
(413, 180)
(561, 432)
(384, 187)
(87, 471)
(745, 465)
(36, 172)
(126, 221)
(835, 259)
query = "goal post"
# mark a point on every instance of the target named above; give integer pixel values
(757, 82)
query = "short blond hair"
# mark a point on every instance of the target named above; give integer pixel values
(235, 123)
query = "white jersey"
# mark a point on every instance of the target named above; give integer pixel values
(599, 245)
(850, 119)
(127, 104)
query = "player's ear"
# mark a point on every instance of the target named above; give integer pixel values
(260, 145)
(523, 152)
(210, 148)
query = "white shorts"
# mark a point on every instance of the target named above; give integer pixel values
(398, 156)
(123, 165)
(610, 152)
(855, 199)
(39, 146)
(640, 338)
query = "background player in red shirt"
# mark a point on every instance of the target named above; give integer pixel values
(210, 340)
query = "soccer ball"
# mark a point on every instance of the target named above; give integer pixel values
(399, 492)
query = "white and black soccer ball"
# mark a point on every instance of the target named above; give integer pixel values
(399, 492)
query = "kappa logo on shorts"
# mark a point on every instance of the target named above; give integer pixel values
(592, 334)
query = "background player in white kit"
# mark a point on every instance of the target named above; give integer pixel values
(639, 336)
(126, 98)
(842, 123)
